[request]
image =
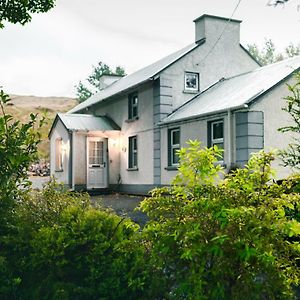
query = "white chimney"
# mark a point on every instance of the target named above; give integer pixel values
(108, 79)
(210, 28)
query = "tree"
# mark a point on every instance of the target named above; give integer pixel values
(268, 54)
(19, 11)
(291, 155)
(209, 238)
(94, 80)
(18, 148)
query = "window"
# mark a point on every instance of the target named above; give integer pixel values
(133, 106)
(174, 146)
(132, 153)
(95, 153)
(191, 81)
(58, 154)
(216, 134)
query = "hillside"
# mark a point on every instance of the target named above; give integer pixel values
(20, 108)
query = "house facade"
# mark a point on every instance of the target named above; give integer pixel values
(125, 137)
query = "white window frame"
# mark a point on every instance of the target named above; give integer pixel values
(218, 140)
(58, 155)
(191, 89)
(173, 146)
(133, 104)
(132, 163)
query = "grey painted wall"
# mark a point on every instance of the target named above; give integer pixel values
(225, 60)
(274, 117)
(190, 130)
(249, 135)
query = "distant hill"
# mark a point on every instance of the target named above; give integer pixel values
(20, 108)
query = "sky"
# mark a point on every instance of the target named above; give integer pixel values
(52, 53)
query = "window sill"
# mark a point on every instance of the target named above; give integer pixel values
(132, 120)
(191, 91)
(171, 168)
(59, 171)
(133, 169)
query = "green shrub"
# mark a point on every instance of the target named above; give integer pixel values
(209, 238)
(18, 147)
(66, 249)
(81, 256)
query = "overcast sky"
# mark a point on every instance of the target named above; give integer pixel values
(48, 56)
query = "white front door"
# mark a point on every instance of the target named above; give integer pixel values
(96, 163)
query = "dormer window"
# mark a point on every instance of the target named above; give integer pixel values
(133, 106)
(191, 82)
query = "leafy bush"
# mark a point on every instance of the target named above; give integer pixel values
(18, 147)
(210, 238)
(66, 249)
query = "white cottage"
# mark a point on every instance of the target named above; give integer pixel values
(125, 137)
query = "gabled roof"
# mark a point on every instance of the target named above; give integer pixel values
(81, 122)
(235, 92)
(134, 79)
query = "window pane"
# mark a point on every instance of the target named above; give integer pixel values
(133, 152)
(134, 111)
(58, 154)
(134, 159)
(220, 145)
(134, 100)
(217, 130)
(133, 106)
(175, 156)
(191, 81)
(175, 137)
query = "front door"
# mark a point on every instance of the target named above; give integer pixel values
(96, 163)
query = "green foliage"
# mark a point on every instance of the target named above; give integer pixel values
(291, 156)
(18, 148)
(82, 92)
(94, 80)
(18, 11)
(81, 256)
(65, 249)
(53, 244)
(268, 54)
(209, 238)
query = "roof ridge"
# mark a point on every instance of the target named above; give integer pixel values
(150, 71)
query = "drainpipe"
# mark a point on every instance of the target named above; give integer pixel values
(71, 159)
(229, 138)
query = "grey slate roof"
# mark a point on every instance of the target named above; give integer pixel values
(83, 122)
(134, 79)
(235, 92)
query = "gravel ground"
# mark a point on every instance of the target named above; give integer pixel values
(38, 181)
(123, 205)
